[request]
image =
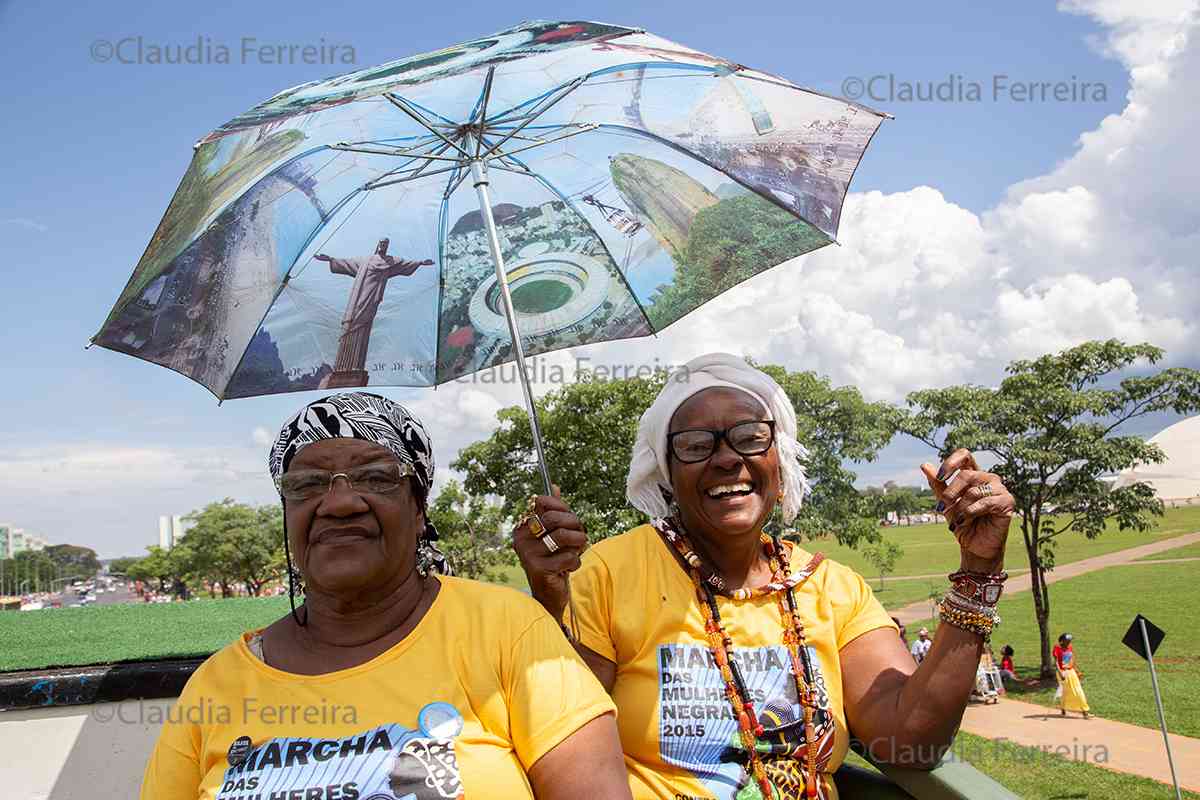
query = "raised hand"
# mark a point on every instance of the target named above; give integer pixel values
(977, 507)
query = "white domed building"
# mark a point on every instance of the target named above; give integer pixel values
(1176, 481)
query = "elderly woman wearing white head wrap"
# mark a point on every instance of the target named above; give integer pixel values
(741, 664)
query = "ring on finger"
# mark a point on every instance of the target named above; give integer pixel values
(536, 527)
(985, 490)
(551, 545)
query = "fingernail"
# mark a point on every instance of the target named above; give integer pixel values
(940, 507)
(941, 471)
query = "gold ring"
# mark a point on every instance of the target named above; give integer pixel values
(985, 489)
(551, 545)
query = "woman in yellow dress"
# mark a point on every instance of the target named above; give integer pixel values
(1070, 690)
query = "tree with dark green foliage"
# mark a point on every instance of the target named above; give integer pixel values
(29, 571)
(1052, 427)
(74, 559)
(120, 566)
(838, 427)
(900, 500)
(588, 429)
(473, 533)
(160, 568)
(232, 543)
(48, 569)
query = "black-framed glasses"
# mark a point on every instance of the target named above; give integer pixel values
(749, 438)
(380, 477)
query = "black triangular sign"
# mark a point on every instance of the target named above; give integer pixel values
(1133, 637)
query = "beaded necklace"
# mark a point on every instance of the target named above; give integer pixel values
(707, 581)
(670, 530)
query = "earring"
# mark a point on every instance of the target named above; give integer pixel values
(423, 558)
(297, 580)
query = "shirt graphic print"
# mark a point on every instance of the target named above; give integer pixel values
(388, 762)
(700, 733)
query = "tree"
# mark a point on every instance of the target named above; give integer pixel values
(473, 533)
(32, 571)
(588, 429)
(120, 566)
(1052, 427)
(74, 560)
(232, 543)
(883, 555)
(837, 426)
(165, 568)
(900, 500)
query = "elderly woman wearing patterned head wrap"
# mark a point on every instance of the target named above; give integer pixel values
(390, 680)
(741, 664)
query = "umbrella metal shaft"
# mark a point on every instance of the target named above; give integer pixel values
(479, 175)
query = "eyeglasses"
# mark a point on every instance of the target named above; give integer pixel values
(749, 438)
(380, 477)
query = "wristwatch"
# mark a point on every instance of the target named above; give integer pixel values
(978, 587)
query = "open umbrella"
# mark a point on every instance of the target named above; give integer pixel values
(554, 184)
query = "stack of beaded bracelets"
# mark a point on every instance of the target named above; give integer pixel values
(971, 602)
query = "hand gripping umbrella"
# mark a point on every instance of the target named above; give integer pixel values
(327, 238)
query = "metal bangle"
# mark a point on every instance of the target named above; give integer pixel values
(968, 604)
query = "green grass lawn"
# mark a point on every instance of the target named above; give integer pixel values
(1037, 775)
(1097, 609)
(931, 548)
(899, 593)
(129, 631)
(1187, 551)
(103, 634)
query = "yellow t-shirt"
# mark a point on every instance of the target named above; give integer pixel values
(482, 688)
(637, 607)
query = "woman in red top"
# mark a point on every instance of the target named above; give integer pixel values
(1007, 671)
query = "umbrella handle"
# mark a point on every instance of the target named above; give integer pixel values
(480, 179)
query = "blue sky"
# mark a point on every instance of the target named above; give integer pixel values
(100, 444)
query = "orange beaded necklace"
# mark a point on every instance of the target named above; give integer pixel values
(706, 580)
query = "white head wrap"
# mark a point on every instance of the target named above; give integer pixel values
(649, 471)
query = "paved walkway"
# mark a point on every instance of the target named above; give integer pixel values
(1113, 745)
(1117, 746)
(914, 612)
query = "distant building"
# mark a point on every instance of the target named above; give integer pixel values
(1176, 481)
(15, 540)
(170, 531)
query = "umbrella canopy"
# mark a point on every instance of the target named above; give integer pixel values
(333, 236)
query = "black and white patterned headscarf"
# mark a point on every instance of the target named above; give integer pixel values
(371, 418)
(356, 415)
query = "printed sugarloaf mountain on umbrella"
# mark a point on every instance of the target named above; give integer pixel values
(332, 237)
(717, 239)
